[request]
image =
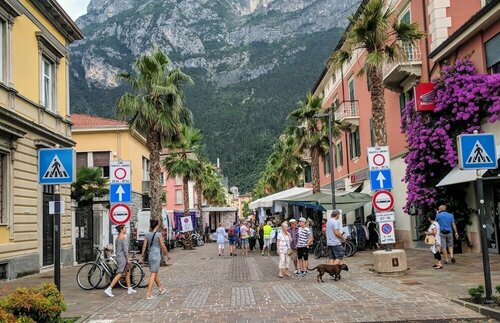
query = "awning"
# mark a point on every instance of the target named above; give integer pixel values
(457, 175)
(283, 195)
(346, 202)
(219, 209)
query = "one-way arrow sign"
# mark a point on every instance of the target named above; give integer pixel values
(120, 193)
(381, 179)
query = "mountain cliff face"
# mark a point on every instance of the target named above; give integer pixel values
(251, 61)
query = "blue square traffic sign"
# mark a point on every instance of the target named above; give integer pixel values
(477, 151)
(120, 193)
(381, 179)
(56, 166)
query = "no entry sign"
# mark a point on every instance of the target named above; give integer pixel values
(120, 213)
(383, 201)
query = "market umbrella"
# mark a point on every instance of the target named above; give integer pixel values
(346, 202)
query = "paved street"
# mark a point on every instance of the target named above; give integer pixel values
(204, 287)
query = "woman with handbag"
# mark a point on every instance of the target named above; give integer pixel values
(283, 249)
(154, 241)
(433, 238)
(122, 261)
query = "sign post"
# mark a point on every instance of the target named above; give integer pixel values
(56, 166)
(478, 151)
(120, 190)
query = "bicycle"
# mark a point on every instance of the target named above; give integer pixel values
(91, 274)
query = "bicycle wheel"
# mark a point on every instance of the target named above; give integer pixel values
(354, 248)
(318, 251)
(89, 276)
(347, 249)
(136, 275)
(200, 242)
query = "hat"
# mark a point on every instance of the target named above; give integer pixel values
(292, 221)
(302, 219)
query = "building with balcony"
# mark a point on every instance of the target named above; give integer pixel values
(98, 142)
(34, 108)
(347, 93)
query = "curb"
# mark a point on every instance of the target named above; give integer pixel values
(484, 310)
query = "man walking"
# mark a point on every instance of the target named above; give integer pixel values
(447, 226)
(294, 233)
(304, 241)
(221, 238)
(267, 237)
(244, 233)
(334, 239)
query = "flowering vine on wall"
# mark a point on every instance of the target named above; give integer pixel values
(463, 99)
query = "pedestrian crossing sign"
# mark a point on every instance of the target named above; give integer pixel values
(56, 166)
(477, 151)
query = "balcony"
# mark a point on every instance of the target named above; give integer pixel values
(407, 71)
(347, 113)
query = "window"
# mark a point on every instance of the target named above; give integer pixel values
(101, 160)
(178, 196)
(178, 180)
(145, 169)
(405, 16)
(339, 155)
(3, 188)
(326, 164)
(492, 48)
(307, 174)
(48, 76)
(162, 178)
(352, 94)
(81, 160)
(335, 102)
(354, 144)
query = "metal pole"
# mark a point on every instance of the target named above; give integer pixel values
(57, 237)
(332, 169)
(484, 242)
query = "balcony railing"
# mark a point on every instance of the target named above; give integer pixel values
(347, 110)
(413, 56)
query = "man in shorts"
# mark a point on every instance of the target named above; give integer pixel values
(447, 226)
(305, 239)
(294, 233)
(244, 233)
(334, 239)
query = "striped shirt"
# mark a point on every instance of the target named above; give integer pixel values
(304, 233)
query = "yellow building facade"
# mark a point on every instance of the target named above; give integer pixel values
(34, 109)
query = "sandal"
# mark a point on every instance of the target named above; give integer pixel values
(434, 265)
(150, 297)
(438, 267)
(163, 291)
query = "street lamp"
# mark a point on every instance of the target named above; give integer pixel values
(331, 119)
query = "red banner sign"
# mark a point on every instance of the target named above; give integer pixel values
(424, 97)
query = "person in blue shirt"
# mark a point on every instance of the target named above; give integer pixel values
(447, 227)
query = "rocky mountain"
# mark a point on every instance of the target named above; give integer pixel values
(251, 61)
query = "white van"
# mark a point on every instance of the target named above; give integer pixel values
(142, 227)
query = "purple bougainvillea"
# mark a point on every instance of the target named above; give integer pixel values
(463, 98)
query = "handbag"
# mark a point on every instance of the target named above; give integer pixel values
(430, 239)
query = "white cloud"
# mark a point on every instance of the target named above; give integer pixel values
(74, 8)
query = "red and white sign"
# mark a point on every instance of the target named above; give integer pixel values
(378, 158)
(386, 230)
(383, 201)
(424, 97)
(120, 213)
(119, 171)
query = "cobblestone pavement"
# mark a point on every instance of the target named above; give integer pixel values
(203, 287)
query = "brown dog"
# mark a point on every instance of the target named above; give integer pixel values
(333, 270)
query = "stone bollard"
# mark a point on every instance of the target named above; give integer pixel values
(390, 263)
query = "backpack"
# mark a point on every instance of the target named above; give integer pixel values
(231, 232)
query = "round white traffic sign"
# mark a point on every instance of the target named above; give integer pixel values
(383, 201)
(120, 213)
(378, 160)
(120, 173)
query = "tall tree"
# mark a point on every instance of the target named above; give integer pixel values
(377, 30)
(311, 133)
(155, 106)
(183, 160)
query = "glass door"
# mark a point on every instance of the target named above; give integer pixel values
(492, 217)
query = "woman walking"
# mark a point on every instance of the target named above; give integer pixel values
(122, 261)
(372, 232)
(154, 241)
(436, 246)
(283, 249)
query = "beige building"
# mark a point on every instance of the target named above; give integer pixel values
(34, 104)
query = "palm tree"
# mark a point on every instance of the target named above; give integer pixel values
(182, 160)
(377, 30)
(155, 106)
(311, 134)
(89, 184)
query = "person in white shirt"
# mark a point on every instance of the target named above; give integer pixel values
(221, 238)
(436, 247)
(283, 249)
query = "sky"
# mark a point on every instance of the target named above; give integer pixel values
(75, 8)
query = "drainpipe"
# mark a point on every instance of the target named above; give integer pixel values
(428, 69)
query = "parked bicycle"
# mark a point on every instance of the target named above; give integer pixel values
(99, 273)
(197, 240)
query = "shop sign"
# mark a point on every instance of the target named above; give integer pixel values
(424, 97)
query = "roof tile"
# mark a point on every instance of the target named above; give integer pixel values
(90, 121)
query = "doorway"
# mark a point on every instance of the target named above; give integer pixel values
(84, 236)
(492, 220)
(47, 228)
